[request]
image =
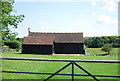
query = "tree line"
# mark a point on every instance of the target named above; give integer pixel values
(97, 42)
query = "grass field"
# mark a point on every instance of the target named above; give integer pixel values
(50, 67)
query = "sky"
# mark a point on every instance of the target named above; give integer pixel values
(92, 17)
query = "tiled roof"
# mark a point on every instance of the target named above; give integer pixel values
(38, 40)
(61, 37)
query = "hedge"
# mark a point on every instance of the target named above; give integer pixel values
(13, 44)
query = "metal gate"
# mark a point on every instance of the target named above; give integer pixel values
(70, 62)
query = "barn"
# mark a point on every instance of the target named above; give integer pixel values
(53, 43)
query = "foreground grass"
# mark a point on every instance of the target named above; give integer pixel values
(50, 67)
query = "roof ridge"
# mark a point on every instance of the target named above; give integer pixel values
(59, 32)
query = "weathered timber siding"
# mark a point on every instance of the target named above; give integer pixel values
(68, 48)
(37, 49)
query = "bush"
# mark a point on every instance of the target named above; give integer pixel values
(107, 48)
(13, 44)
(115, 44)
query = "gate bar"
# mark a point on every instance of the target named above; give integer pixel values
(60, 74)
(64, 60)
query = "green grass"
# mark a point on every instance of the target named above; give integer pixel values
(50, 67)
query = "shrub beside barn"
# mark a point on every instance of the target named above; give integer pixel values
(53, 43)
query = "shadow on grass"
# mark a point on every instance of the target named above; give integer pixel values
(51, 54)
(102, 54)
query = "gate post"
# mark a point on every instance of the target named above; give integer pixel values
(72, 71)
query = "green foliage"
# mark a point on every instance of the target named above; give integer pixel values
(96, 42)
(8, 20)
(107, 48)
(9, 35)
(13, 44)
(20, 39)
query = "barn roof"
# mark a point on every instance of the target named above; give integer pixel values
(38, 40)
(60, 37)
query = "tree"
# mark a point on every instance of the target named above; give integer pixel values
(93, 42)
(8, 20)
(96, 42)
(107, 48)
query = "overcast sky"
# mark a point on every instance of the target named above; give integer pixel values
(93, 18)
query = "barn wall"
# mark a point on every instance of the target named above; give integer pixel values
(37, 49)
(68, 48)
